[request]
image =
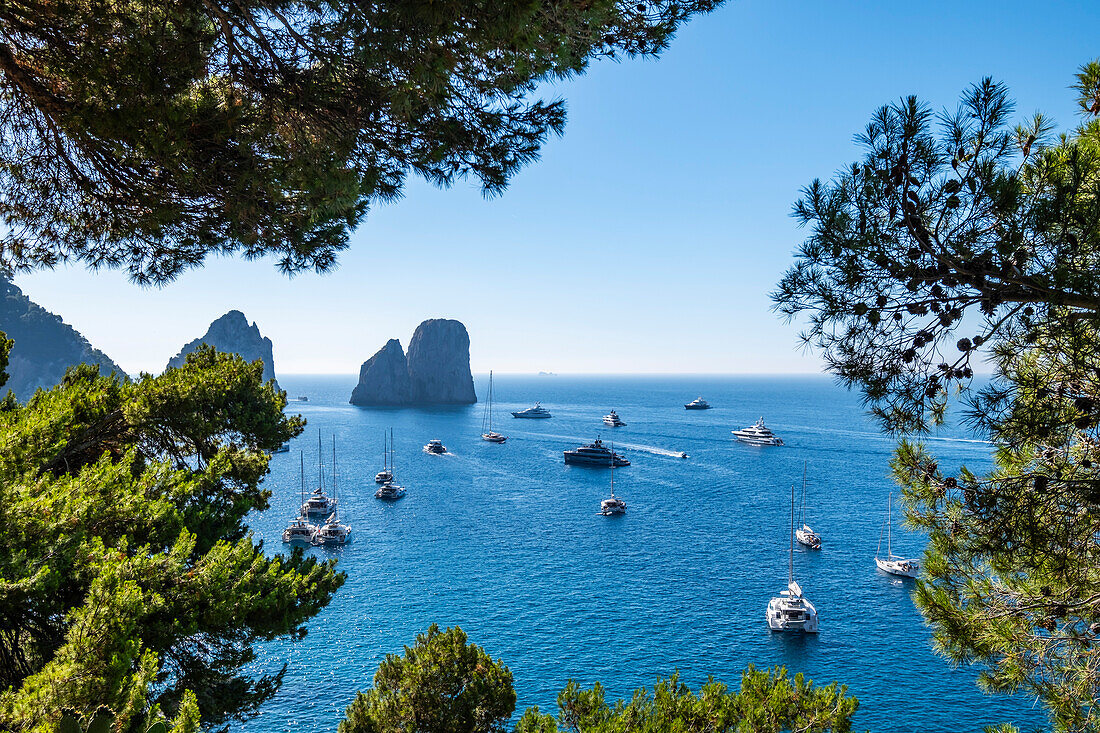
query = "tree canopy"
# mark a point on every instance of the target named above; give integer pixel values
(127, 575)
(959, 239)
(147, 134)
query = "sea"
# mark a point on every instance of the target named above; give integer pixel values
(505, 541)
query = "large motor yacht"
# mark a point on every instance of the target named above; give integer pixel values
(436, 447)
(595, 454)
(894, 565)
(536, 412)
(790, 610)
(757, 434)
(697, 404)
(612, 419)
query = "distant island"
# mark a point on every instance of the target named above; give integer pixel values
(547, 374)
(45, 346)
(232, 334)
(436, 370)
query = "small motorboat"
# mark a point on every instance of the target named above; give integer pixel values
(612, 419)
(684, 455)
(303, 398)
(436, 447)
(284, 448)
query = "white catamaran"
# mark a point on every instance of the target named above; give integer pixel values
(300, 530)
(333, 532)
(790, 610)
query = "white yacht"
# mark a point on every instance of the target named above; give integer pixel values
(487, 432)
(436, 447)
(536, 412)
(333, 531)
(757, 434)
(389, 491)
(300, 530)
(386, 474)
(804, 534)
(791, 610)
(612, 419)
(893, 564)
(614, 505)
(697, 404)
(319, 504)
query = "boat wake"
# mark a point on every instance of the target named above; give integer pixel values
(655, 450)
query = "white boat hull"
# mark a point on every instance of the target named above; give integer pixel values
(785, 615)
(899, 567)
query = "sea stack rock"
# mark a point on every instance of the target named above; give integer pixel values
(45, 346)
(384, 378)
(439, 364)
(436, 372)
(232, 334)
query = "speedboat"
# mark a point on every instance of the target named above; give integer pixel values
(791, 611)
(332, 532)
(595, 454)
(299, 531)
(757, 434)
(319, 504)
(684, 455)
(613, 420)
(697, 404)
(389, 491)
(536, 412)
(894, 565)
(436, 447)
(303, 398)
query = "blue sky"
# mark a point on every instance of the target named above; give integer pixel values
(648, 237)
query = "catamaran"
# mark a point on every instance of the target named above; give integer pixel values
(487, 421)
(300, 530)
(386, 474)
(893, 564)
(333, 532)
(614, 505)
(319, 504)
(790, 610)
(804, 534)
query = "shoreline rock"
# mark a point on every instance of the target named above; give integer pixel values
(232, 334)
(435, 372)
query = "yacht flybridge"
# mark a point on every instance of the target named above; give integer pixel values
(697, 404)
(435, 447)
(300, 530)
(804, 534)
(319, 504)
(612, 419)
(536, 412)
(487, 432)
(892, 564)
(757, 434)
(614, 505)
(791, 610)
(595, 454)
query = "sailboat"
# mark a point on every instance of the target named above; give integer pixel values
(790, 610)
(614, 505)
(804, 534)
(386, 474)
(389, 490)
(300, 530)
(333, 532)
(487, 421)
(319, 504)
(893, 564)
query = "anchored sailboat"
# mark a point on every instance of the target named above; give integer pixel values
(614, 505)
(487, 421)
(300, 530)
(892, 564)
(791, 611)
(333, 532)
(804, 534)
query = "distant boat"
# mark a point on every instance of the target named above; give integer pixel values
(386, 474)
(300, 530)
(595, 454)
(536, 412)
(790, 610)
(284, 448)
(436, 447)
(892, 564)
(389, 491)
(319, 504)
(487, 421)
(303, 398)
(804, 534)
(697, 404)
(757, 434)
(333, 531)
(614, 505)
(612, 419)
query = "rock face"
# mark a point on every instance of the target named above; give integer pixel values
(436, 372)
(384, 378)
(45, 346)
(232, 334)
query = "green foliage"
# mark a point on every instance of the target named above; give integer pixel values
(148, 134)
(768, 702)
(127, 575)
(441, 685)
(5, 350)
(1002, 223)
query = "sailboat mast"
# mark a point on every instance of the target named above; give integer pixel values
(320, 462)
(612, 470)
(802, 511)
(790, 556)
(302, 483)
(890, 527)
(490, 400)
(334, 467)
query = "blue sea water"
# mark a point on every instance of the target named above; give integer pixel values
(504, 541)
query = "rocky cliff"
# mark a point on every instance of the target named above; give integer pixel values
(384, 378)
(436, 371)
(45, 346)
(232, 334)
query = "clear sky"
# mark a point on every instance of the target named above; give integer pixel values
(648, 237)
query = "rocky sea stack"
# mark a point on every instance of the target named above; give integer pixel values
(232, 334)
(45, 346)
(436, 371)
